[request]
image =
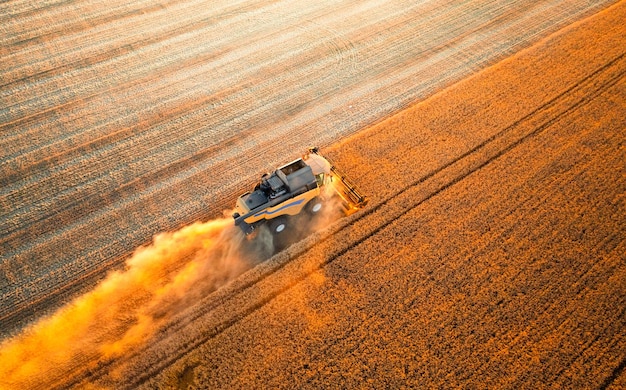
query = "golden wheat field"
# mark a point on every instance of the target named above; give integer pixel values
(489, 137)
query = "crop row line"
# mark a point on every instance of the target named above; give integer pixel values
(103, 38)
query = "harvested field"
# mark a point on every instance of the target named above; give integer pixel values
(492, 251)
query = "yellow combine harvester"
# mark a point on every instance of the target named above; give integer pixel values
(304, 185)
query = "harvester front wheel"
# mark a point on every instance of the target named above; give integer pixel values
(315, 206)
(278, 225)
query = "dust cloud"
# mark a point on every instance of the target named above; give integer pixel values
(129, 306)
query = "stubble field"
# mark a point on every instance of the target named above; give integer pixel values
(491, 254)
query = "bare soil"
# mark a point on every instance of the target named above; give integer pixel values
(491, 253)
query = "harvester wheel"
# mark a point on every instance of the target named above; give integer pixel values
(278, 225)
(315, 206)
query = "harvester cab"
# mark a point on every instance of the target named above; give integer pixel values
(307, 184)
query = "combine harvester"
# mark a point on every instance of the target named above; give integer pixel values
(306, 185)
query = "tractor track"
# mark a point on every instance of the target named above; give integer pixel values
(437, 181)
(614, 375)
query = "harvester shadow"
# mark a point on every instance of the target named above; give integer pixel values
(263, 244)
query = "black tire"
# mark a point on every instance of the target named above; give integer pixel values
(278, 225)
(315, 206)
